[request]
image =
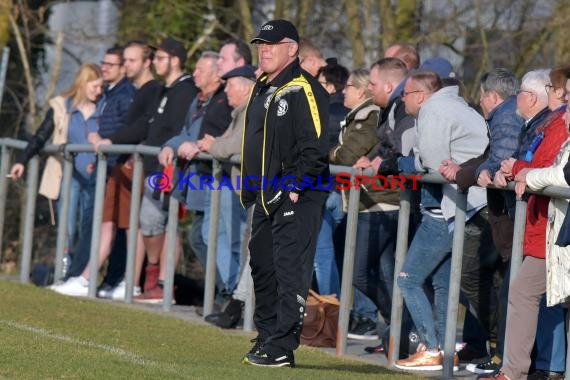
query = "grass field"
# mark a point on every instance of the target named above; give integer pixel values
(47, 336)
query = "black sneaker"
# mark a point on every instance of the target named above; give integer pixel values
(374, 349)
(486, 367)
(364, 329)
(256, 346)
(469, 355)
(105, 291)
(229, 318)
(264, 359)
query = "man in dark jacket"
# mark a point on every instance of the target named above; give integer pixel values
(117, 94)
(284, 159)
(164, 122)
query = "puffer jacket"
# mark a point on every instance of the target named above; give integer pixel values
(504, 126)
(557, 258)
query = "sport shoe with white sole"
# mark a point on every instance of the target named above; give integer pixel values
(425, 360)
(487, 367)
(118, 294)
(74, 286)
(263, 359)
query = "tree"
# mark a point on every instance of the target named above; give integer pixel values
(5, 10)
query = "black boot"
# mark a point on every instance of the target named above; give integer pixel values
(229, 318)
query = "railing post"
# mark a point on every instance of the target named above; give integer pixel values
(518, 237)
(249, 306)
(210, 282)
(567, 340)
(63, 215)
(3, 71)
(517, 250)
(97, 220)
(348, 269)
(171, 246)
(30, 215)
(455, 282)
(4, 167)
(400, 256)
(133, 227)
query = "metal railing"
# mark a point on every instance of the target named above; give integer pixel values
(137, 151)
(349, 251)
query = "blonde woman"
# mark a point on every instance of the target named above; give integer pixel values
(71, 117)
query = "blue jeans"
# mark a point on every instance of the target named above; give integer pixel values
(231, 229)
(83, 248)
(326, 270)
(550, 338)
(362, 306)
(72, 216)
(374, 258)
(429, 256)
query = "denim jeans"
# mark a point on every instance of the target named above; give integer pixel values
(363, 306)
(326, 270)
(429, 256)
(374, 258)
(82, 250)
(231, 229)
(551, 338)
(198, 246)
(72, 216)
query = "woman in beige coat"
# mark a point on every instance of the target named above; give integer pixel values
(71, 117)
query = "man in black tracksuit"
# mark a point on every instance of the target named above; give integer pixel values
(284, 171)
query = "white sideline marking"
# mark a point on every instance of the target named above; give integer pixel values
(128, 356)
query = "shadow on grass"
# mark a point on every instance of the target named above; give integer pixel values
(346, 367)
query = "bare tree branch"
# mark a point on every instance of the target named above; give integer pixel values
(245, 15)
(351, 7)
(208, 30)
(26, 67)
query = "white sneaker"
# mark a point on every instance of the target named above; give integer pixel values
(74, 286)
(118, 294)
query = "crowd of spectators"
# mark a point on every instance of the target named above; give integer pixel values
(402, 115)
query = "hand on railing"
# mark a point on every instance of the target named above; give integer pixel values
(500, 179)
(206, 143)
(484, 178)
(101, 142)
(93, 138)
(16, 172)
(188, 150)
(448, 169)
(507, 166)
(166, 156)
(362, 163)
(520, 186)
(375, 164)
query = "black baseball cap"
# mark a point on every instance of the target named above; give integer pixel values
(275, 30)
(246, 71)
(174, 48)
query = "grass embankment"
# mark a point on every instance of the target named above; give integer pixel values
(47, 336)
